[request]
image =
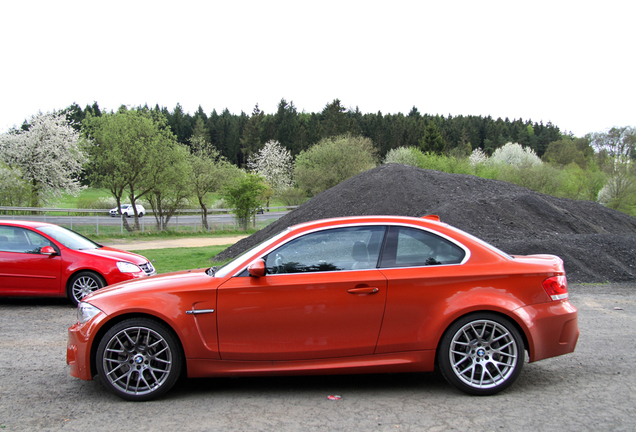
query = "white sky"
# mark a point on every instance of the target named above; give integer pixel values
(568, 62)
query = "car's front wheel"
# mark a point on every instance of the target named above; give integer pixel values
(139, 359)
(82, 284)
(481, 354)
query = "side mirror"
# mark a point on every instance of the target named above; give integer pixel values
(257, 268)
(48, 250)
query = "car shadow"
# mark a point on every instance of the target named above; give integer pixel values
(35, 301)
(324, 384)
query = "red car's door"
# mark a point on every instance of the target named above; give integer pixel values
(300, 316)
(322, 297)
(23, 270)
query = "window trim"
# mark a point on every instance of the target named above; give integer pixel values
(267, 250)
(432, 232)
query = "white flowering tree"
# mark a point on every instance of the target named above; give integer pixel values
(516, 155)
(478, 157)
(511, 154)
(403, 155)
(275, 164)
(48, 154)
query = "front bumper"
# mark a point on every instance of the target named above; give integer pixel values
(78, 347)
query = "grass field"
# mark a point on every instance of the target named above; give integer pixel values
(175, 259)
(70, 201)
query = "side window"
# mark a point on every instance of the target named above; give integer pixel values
(411, 247)
(14, 239)
(328, 250)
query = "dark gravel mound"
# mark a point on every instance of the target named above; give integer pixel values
(597, 244)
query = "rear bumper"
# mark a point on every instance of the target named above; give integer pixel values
(551, 328)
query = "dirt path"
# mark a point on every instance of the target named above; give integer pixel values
(173, 243)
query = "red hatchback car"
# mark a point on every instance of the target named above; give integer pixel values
(47, 260)
(338, 296)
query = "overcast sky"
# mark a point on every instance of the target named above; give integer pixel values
(568, 62)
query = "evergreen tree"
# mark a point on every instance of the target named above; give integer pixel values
(433, 142)
(251, 137)
(334, 119)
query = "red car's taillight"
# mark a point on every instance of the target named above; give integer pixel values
(556, 287)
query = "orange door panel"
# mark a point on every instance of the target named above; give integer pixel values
(301, 316)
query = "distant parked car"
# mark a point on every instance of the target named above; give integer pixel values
(46, 260)
(128, 211)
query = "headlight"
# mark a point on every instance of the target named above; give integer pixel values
(86, 311)
(126, 267)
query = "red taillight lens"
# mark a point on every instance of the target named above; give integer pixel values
(556, 287)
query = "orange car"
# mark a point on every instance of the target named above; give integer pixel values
(338, 296)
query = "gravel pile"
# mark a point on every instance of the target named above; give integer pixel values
(597, 244)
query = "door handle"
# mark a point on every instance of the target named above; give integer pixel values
(365, 290)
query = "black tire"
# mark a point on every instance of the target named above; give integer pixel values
(481, 354)
(141, 214)
(139, 359)
(82, 284)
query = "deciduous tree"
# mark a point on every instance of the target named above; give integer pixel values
(130, 149)
(210, 172)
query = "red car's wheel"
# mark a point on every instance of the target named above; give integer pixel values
(481, 354)
(82, 284)
(139, 359)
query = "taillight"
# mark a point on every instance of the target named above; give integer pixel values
(556, 287)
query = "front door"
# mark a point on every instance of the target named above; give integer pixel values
(23, 270)
(322, 298)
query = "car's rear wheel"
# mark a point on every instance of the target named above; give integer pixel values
(82, 284)
(139, 359)
(481, 354)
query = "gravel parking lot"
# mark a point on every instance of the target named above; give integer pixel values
(591, 389)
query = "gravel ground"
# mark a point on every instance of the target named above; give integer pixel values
(597, 244)
(589, 390)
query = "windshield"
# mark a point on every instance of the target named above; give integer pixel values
(232, 265)
(68, 238)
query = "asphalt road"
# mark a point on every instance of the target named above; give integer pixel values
(589, 390)
(106, 220)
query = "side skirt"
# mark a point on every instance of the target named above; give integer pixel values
(412, 361)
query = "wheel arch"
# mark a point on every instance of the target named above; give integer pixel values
(80, 270)
(119, 318)
(510, 318)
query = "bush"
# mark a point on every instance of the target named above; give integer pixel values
(292, 196)
(449, 164)
(14, 192)
(332, 161)
(619, 193)
(244, 196)
(545, 179)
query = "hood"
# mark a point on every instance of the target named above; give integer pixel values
(115, 254)
(169, 283)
